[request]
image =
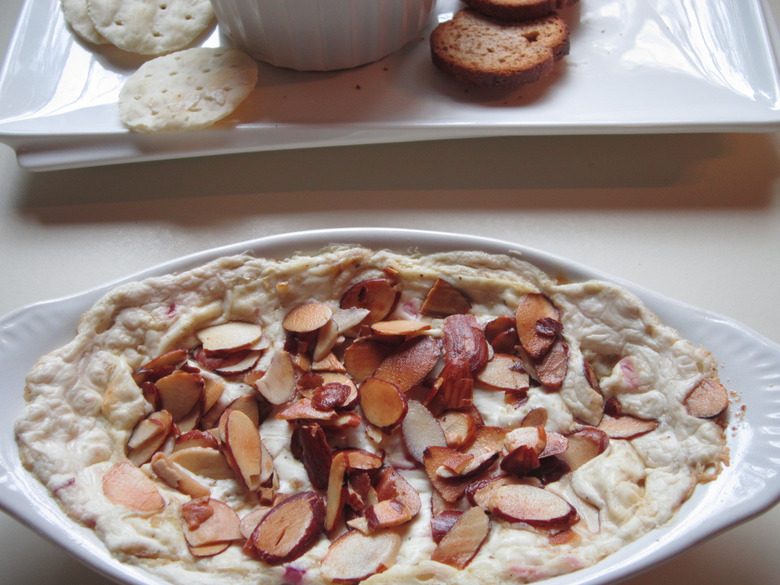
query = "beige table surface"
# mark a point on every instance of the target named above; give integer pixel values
(696, 217)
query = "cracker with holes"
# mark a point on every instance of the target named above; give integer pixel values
(186, 90)
(76, 15)
(150, 27)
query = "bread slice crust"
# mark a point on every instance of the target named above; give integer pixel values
(482, 51)
(518, 9)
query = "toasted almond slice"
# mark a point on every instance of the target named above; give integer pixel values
(410, 362)
(277, 385)
(360, 460)
(403, 327)
(207, 521)
(230, 336)
(244, 447)
(463, 337)
(480, 491)
(533, 437)
(499, 325)
(180, 392)
(454, 465)
(531, 505)
(195, 438)
(289, 529)
(421, 430)
(338, 378)
(444, 299)
(329, 363)
(363, 356)
(556, 444)
(551, 370)
(331, 396)
(708, 399)
(314, 452)
(387, 513)
(533, 308)
(443, 522)
(303, 409)
(450, 489)
(126, 485)
(459, 427)
(504, 372)
(392, 484)
(463, 541)
(626, 426)
(355, 556)
(536, 417)
(203, 461)
(335, 500)
(148, 436)
(175, 477)
(213, 387)
(520, 461)
(307, 317)
(246, 363)
(250, 520)
(160, 366)
(454, 386)
(383, 404)
(378, 295)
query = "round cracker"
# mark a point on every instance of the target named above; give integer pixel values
(186, 90)
(76, 15)
(150, 27)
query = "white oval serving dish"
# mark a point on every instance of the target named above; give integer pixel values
(750, 365)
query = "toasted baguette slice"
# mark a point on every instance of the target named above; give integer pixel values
(518, 9)
(482, 51)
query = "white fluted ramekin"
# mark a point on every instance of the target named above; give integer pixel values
(321, 35)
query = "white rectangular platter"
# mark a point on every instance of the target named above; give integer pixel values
(636, 66)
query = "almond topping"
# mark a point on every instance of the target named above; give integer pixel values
(355, 556)
(126, 485)
(531, 309)
(277, 386)
(444, 299)
(307, 317)
(207, 521)
(463, 541)
(504, 372)
(383, 404)
(707, 400)
(378, 295)
(180, 392)
(410, 362)
(230, 336)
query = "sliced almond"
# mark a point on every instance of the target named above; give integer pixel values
(533, 437)
(504, 372)
(335, 499)
(444, 299)
(392, 484)
(160, 366)
(421, 430)
(303, 409)
(148, 436)
(584, 445)
(207, 521)
(463, 337)
(250, 520)
(314, 452)
(378, 295)
(532, 505)
(329, 363)
(450, 489)
(363, 356)
(203, 461)
(551, 370)
(536, 417)
(180, 392)
(443, 522)
(462, 542)
(249, 406)
(399, 327)
(410, 363)
(355, 556)
(195, 438)
(277, 386)
(386, 514)
(209, 550)
(626, 426)
(708, 399)
(532, 309)
(126, 485)
(459, 427)
(384, 405)
(454, 386)
(289, 529)
(230, 336)
(173, 475)
(247, 360)
(243, 445)
(307, 317)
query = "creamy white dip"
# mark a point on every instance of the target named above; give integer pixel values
(82, 405)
